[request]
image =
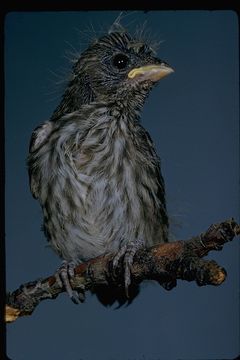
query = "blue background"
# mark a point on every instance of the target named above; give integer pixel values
(192, 117)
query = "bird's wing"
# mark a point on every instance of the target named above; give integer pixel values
(38, 138)
(161, 189)
(163, 209)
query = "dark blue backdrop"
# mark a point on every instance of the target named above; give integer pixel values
(193, 119)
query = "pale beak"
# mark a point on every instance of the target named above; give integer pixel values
(150, 72)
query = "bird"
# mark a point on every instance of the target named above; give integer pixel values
(93, 167)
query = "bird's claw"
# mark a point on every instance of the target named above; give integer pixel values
(63, 276)
(116, 260)
(127, 252)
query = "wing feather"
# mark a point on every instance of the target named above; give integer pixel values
(38, 138)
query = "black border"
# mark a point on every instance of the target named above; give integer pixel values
(77, 5)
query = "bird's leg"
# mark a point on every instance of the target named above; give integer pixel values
(127, 252)
(63, 275)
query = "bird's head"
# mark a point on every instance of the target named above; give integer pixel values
(116, 66)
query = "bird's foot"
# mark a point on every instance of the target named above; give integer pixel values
(63, 276)
(127, 253)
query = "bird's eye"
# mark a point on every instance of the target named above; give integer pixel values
(120, 61)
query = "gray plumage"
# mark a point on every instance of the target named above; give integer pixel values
(93, 167)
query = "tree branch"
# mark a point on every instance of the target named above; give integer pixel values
(164, 263)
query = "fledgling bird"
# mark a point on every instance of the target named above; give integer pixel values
(93, 167)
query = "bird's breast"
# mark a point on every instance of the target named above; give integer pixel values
(120, 166)
(103, 149)
(98, 191)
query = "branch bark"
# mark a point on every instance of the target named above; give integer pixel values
(164, 263)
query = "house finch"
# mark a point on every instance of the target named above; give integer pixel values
(93, 167)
